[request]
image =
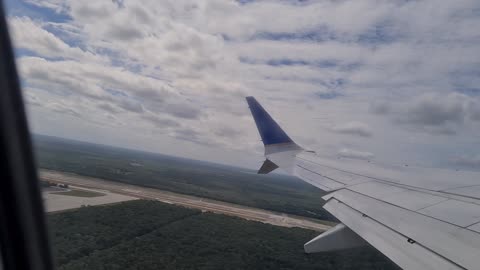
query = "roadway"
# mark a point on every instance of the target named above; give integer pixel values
(265, 216)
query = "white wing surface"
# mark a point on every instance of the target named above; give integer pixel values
(420, 218)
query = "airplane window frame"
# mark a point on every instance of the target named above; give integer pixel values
(23, 234)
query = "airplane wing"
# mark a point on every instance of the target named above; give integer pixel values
(421, 218)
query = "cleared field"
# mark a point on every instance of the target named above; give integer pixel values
(78, 197)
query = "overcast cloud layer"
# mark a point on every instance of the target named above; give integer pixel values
(395, 81)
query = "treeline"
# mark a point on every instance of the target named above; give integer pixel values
(153, 235)
(78, 233)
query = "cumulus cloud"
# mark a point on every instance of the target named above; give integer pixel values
(353, 128)
(183, 67)
(435, 110)
(350, 153)
(32, 36)
(438, 113)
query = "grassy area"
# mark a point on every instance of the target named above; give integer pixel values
(80, 193)
(152, 235)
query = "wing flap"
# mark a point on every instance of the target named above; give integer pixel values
(408, 255)
(458, 244)
(463, 214)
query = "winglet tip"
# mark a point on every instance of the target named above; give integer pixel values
(269, 130)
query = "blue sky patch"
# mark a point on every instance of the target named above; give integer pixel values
(116, 93)
(291, 2)
(23, 52)
(469, 91)
(293, 62)
(22, 8)
(322, 63)
(334, 84)
(319, 34)
(328, 95)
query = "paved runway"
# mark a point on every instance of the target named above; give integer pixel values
(261, 215)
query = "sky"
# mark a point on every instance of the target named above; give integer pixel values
(392, 81)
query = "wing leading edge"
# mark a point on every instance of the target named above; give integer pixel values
(424, 223)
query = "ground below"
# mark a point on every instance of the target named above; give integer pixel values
(153, 235)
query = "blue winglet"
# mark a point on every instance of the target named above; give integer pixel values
(269, 130)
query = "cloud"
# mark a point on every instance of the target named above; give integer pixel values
(56, 5)
(349, 153)
(468, 162)
(160, 122)
(108, 108)
(328, 95)
(438, 113)
(30, 35)
(131, 105)
(227, 132)
(191, 135)
(32, 100)
(183, 67)
(436, 110)
(353, 128)
(474, 110)
(183, 111)
(93, 10)
(63, 109)
(95, 81)
(380, 107)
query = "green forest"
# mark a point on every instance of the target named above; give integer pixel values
(152, 235)
(230, 184)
